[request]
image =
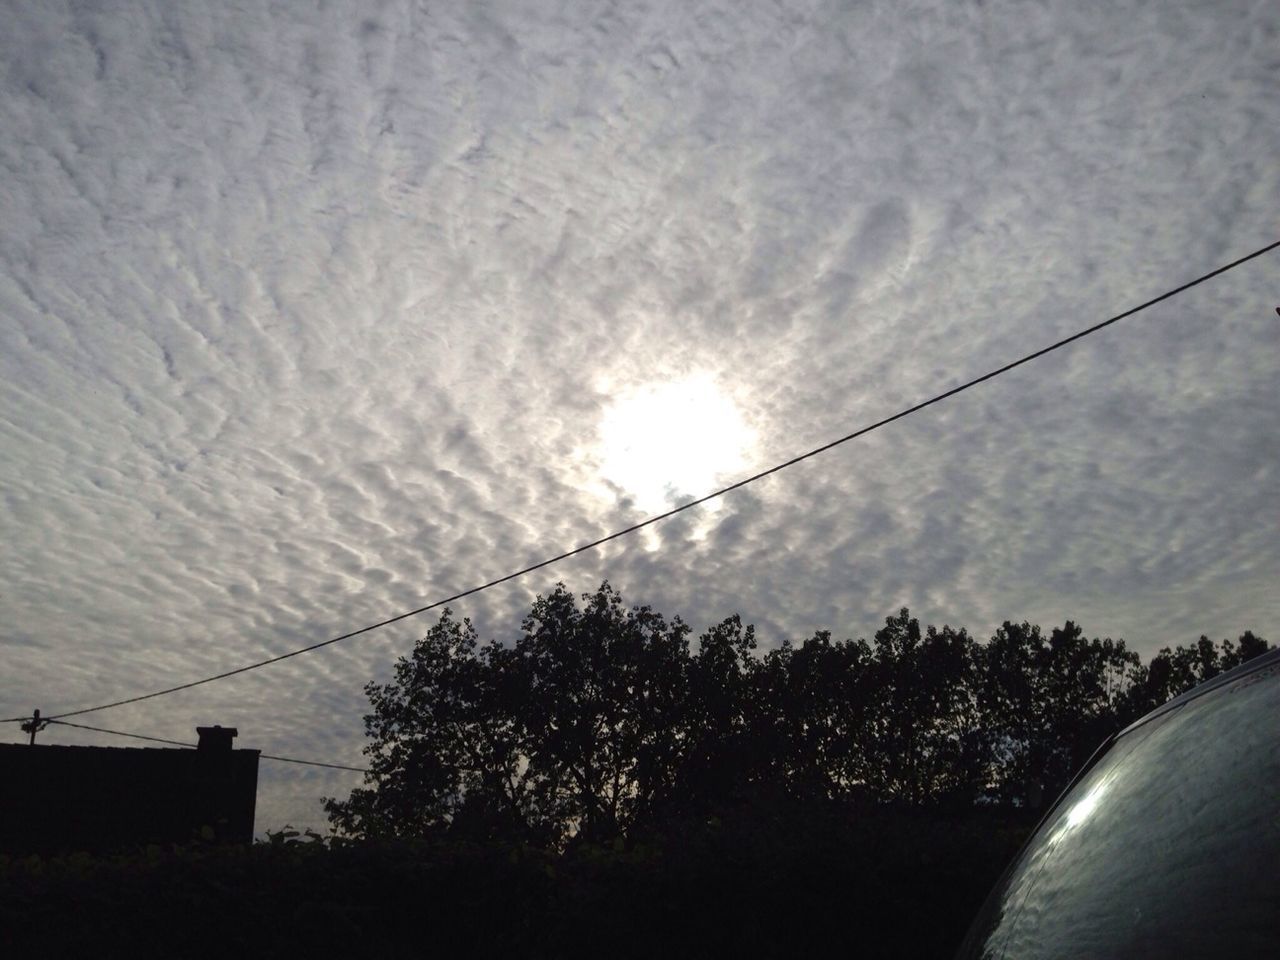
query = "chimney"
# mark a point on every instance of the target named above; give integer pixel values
(216, 738)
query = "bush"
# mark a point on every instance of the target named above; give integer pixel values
(763, 880)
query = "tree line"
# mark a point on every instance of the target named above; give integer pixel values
(603, 723)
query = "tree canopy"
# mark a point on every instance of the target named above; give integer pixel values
(600, 722)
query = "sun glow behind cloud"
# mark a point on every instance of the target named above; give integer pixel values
(664, 443)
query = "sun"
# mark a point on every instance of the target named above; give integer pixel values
(667, 442)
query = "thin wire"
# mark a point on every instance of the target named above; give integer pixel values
(180, 743)
(121, 733)
(313, 763)
(692, 503)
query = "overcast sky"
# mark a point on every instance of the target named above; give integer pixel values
(313, 313)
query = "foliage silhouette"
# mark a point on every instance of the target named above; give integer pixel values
(606, 783)
(603, 723)
(769, 879)
(1047, 703)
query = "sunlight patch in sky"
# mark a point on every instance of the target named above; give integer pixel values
(663, 443)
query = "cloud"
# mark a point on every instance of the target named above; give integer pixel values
(308, 317)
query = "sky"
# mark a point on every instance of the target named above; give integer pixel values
(311, 314)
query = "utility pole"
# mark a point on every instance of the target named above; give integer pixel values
(33, 725)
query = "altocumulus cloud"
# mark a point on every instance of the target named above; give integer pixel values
(308, 316)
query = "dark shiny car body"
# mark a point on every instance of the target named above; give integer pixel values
(1167, 843)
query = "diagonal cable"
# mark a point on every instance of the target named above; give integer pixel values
(862, 431)
(180, 743)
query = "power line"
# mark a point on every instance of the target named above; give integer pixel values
(313, 763)
(180, 743)
(121, 733)
(692, 503)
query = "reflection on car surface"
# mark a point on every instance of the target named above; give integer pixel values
(1166, 845)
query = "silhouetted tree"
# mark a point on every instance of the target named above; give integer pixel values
(599, 721)
(814, 717)
(724, 750)
(572, 731)
(1172, 672)
(446, 747)
(925, 742)
(605, 690)
(1047, 703)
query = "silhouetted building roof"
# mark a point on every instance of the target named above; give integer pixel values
(59, 799)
